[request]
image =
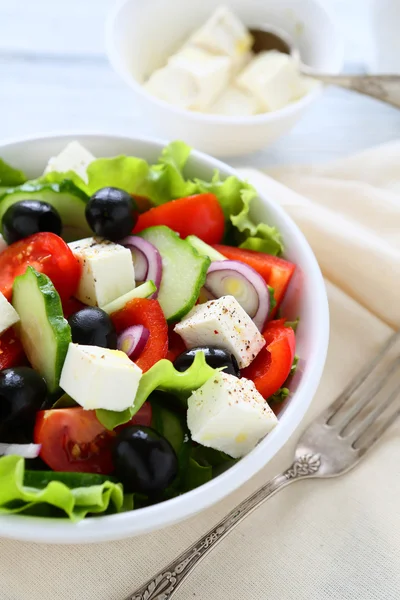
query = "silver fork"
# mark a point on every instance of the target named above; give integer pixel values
(332, 445)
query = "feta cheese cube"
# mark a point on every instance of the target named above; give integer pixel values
(192, 78)
(273, 78)
(107, 271)
(229, 414)
(100, 378)
(235, 102)
(224, 323)
(8, 314)
(74, 157)
(3, 244)
(224, 34)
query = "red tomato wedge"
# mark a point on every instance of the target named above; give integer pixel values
(48, 254)
(11, 351)
(275, 271)
(71, 306)
(199, 215)
(73, 439)
(271, 367)
(141, 311)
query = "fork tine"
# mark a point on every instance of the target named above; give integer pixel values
(377, 434)
(369, 371)
(362, 427)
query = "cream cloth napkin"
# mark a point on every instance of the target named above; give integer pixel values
(327, 540)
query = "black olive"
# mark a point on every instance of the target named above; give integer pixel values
(215, 357)
(93, 327)
(27, 217)
(111, 213)
(22, 392)
(144, 461)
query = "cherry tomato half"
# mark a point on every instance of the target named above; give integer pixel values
(73, 439)
(48, 254)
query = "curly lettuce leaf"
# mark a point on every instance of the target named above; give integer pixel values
(126, 172)
(166, 181)
(260, 237)
(74, 494)
(9, 176)
(164, 377)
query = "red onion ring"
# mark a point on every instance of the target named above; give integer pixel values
(146, 259)
(221, 278)
(133, 340)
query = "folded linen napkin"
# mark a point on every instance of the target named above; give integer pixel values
(332, 540)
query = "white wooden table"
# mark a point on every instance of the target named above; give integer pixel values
(54, 76)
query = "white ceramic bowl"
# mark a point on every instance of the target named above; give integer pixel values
(141, 35)
(306, 298)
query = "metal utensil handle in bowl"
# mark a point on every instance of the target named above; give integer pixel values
(332, 445)
(381, 87)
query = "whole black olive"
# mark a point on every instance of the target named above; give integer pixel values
(144, 461)
(22, 391)
(111, 213)
(92, 326)
(215, 357)
(27, 217)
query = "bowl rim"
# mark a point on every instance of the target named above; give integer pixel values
(143, 520)
(213, 119)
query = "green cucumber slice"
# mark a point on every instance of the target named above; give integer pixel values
(184, 271)
(65, 197)
(204, 249)
(44, 333)
(142, 291)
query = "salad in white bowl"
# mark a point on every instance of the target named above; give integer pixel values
(143, 349)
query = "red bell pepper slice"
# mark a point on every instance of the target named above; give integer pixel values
(199, 215)
(275, 271)
(271, 367)
(141, 311)
(175, 344)
(11, 351)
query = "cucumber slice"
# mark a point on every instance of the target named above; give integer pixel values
(44, 333)
(184, 271)
(204, 249)
(65, 197)
(143, 291)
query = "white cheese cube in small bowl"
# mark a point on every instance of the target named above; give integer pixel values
(229, 414)
(273, 79)
(193, 78)
(223, 323)
(8, 314)
(235, 102)
(107, 271)
(224, 33)
(100, 378)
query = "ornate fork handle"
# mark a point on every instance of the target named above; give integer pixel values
(167, 581)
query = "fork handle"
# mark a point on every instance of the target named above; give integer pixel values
(163, 585)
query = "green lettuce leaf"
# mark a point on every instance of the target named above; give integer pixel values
(164, 377)
(260, 237)
(9, 176)
(166, 181)
(74, 494)
(196, 475)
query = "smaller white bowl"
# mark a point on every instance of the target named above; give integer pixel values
(141, 35)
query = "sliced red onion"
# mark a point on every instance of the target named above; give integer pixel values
(133, 340)
(146, 259)
(24, 450)
(234, 278)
